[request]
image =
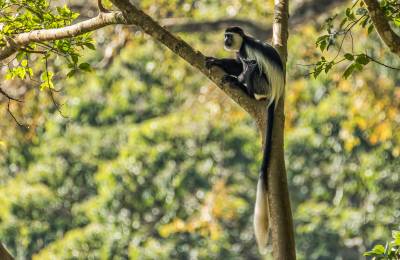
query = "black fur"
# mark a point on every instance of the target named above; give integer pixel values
(247, 75)
(235, 29)
(252, 77)
(230, 66)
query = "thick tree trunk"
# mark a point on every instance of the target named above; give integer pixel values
(281, 221)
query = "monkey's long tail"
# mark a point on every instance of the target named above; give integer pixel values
(261, 209)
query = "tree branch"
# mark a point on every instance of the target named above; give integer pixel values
(23, 39)
(185, 51)
(4, 254)
(381, 24)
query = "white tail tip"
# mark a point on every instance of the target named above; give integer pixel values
(261, 217)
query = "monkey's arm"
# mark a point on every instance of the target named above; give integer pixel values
(230, 66)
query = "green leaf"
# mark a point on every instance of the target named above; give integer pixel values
(363, 59)
(20, 56)
(317, 71)
(358, 66)
(90, 45)
(370, 28)
(396, 22)
(47, 80)
(365, 21)
(85, 66)
(30, 71)
(361, 11)
(350, 14)
(24, 63)
(323, 45)
(71, 73)
(74, 58)
(343, 22)
(349, 56)
(9, 75)
(328, 66)
(370, 253)
(378, 249)
(349, 70)
(396, 237)
(322, 38)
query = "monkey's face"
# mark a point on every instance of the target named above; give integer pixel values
(232, 41)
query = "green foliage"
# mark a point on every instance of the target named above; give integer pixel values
(152, 162)
(83, 243)
(19, 16)
(338, 32)
(391, 10)
(390, 251)
(341, 152)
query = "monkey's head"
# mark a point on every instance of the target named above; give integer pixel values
(233, 38)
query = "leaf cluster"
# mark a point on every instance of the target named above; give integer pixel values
(391, 250)
(19, 16)
(339, 29)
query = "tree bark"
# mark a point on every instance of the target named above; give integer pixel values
(382, 26)
(24, 39)
(281, 220)
(4, 254)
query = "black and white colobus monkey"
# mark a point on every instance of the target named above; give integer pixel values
(258, 71)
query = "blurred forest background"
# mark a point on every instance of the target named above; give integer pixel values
(144, 158)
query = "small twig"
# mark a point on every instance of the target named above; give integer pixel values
(352, 42)
(347, 29)
(33, 51)
(382, 64)
(12, 115)
(8, 96)
(308, 74)
(8, 63)
(51, 48)
(56, 105)
(51, 90)
(47, 71)
(306, 65)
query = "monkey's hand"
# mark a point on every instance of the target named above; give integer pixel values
(210, 61)
(230, 79)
